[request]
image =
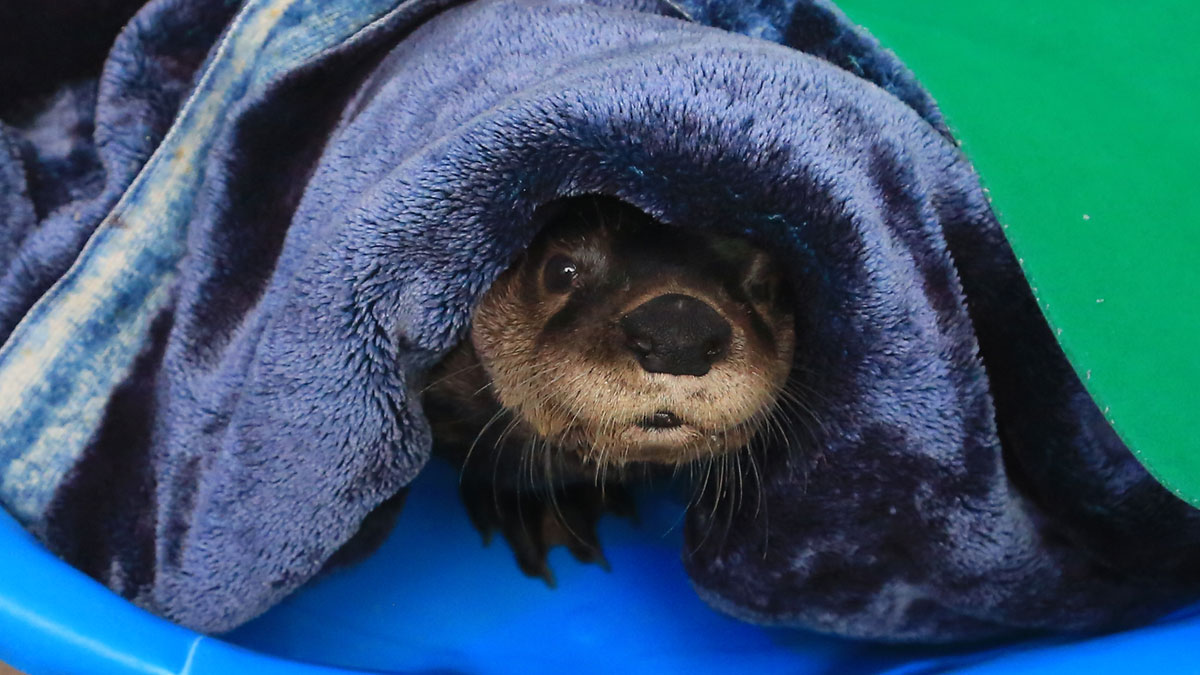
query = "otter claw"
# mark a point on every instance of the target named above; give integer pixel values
(534, 523)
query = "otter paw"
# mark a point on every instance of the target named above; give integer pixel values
(535, 522)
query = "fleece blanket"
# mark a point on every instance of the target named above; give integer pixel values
(228, 259)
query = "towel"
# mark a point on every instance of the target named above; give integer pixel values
(229, 258)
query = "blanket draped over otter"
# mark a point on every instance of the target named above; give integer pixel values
(227, 263)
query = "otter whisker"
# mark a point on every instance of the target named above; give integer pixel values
(526, 466)
(777, 429)
(775, 419)
(796, 381)
(485, 387)
(708, 471)
(467, 460)
(524, 522)
(450, 376)
(761, 506)
(548, 461)
(498, 451)
(771, 435)
(741, 491)
(788, 400)
(504, 434)
(700, 495)
(796, 398)
(728, 485)
(733, 504)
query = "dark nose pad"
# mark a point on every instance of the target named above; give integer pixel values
(676, 334)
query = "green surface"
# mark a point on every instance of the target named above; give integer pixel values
(1082, 119)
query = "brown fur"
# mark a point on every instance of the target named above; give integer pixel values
(581, 390)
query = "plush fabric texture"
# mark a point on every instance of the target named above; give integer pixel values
(228, 262)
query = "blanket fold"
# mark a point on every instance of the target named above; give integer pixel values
(217, 327)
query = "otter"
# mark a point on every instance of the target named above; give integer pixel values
(613, 347)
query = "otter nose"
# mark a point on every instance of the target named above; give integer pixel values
(676, 334)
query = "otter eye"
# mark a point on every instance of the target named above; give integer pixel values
(559, 274)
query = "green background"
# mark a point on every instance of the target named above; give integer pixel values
(1082, 119)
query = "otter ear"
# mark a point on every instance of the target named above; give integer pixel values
(759, 267)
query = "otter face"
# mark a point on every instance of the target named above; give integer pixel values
(625, 340)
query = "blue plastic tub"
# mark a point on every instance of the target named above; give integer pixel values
(435, 600)
(1011, 77)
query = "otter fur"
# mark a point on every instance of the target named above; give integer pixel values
(614, 345)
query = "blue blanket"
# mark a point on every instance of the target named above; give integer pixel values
(228, 261)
